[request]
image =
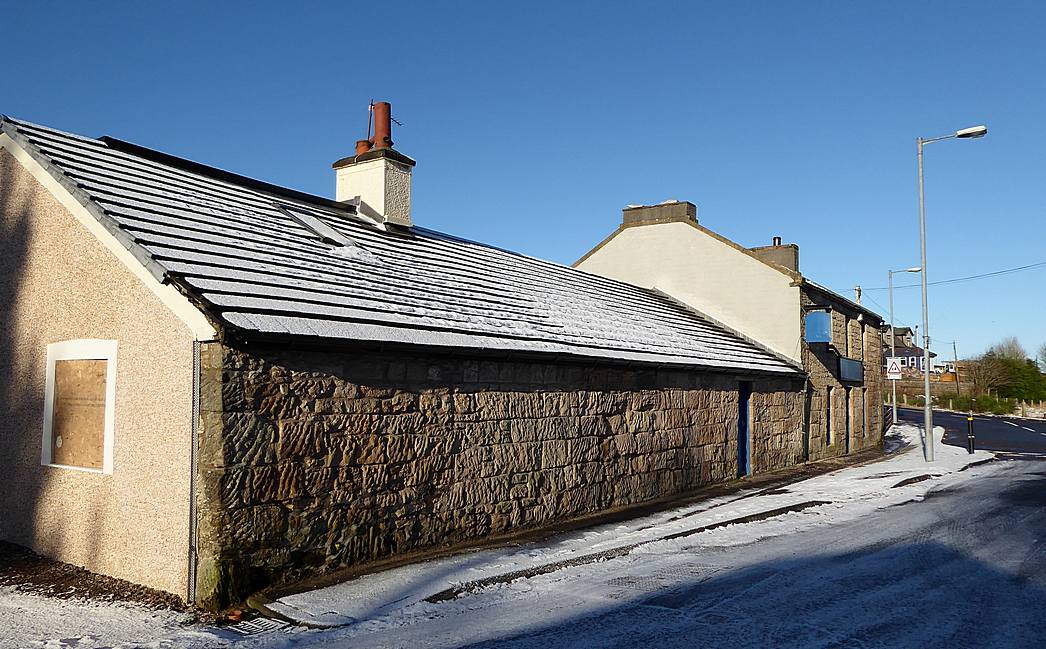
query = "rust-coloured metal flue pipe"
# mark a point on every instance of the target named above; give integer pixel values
(383, 125)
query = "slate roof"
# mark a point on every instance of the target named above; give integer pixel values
(260, 259)
(907, 352)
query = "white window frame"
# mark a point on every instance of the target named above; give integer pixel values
(79, 350)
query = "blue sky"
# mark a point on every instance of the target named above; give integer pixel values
(533, 124)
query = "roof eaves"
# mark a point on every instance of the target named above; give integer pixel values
(10, 128)
(458, 343)
(814, 285)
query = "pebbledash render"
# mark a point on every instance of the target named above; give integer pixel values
(212, 384)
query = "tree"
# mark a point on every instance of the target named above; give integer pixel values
(1009, 348)
(1042, 357)
(1026, 382)
(987, 372)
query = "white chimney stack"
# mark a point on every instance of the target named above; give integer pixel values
(378, 175)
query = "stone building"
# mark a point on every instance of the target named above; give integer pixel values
(211, 383)
(760, 293)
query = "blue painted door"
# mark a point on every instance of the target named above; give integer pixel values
(744, 443)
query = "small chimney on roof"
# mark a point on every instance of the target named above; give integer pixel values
(786, 255)
(377, 175)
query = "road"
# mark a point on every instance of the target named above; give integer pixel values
(1010, 434)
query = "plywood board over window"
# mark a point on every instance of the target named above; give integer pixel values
(78, 413)
(79, 409)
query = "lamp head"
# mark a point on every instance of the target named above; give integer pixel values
(973, 131)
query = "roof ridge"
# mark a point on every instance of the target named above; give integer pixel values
(192, 166)
(218, 173)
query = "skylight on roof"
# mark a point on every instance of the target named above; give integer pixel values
(326, 233)
(341, 245)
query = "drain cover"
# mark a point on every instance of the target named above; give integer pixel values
(257, 626)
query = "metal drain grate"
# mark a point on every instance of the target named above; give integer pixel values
(644, 582)
(659, 580)
(257, 626)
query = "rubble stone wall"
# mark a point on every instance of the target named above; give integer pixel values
(313, 461)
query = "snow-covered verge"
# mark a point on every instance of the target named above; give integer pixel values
(404, 603)
(743, 517)
(31, 620)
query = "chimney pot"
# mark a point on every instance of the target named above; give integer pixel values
(378, 175)
(383, 125)
(777, 241)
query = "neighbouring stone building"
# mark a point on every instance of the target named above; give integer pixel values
(212, 384)
(760, 293)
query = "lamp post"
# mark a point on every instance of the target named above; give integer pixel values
(966, 133)
(893, 350)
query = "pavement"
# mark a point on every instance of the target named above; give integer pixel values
(993, 433)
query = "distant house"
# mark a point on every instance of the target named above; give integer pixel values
(760, 293)
(912, 359)
(907, 350)
(902, 337)
(211, 383)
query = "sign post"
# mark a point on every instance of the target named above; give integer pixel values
(893, 372)
(893, 368)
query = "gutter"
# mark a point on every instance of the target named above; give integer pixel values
(193, 556)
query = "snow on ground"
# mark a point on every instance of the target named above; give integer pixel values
(390, 608)
(30, 621)
(847, 494)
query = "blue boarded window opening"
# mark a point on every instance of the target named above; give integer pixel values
(818, 327)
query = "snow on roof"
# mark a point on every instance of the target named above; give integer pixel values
(260, 259)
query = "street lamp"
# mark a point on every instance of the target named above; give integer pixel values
(966, 133)
(893, 350)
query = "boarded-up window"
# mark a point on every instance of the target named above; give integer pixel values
(78, 413)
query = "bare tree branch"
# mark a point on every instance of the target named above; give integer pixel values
(1010, 348)
(986, 372)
